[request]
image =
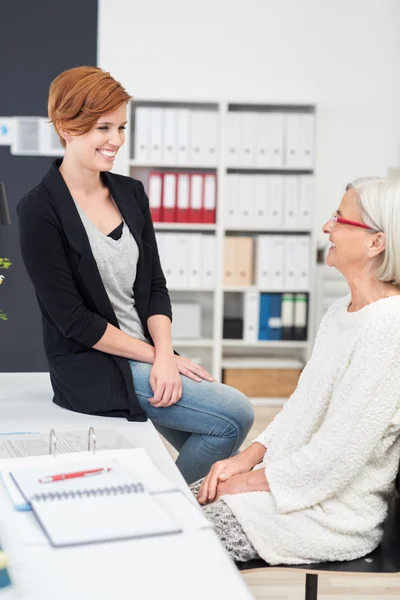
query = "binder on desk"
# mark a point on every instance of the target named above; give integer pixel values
(131, 498)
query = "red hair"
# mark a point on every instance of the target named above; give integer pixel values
(79, 96)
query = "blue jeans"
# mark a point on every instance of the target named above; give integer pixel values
(209, 423)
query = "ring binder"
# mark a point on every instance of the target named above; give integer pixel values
(91, 437)
(53, 443)
(115, 490)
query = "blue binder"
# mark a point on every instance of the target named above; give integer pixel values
(263, 330)
(4, 576)
(275, 317)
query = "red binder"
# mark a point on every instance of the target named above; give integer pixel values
(210, 198)
(196, 198)
(183, 198)
(169, 197)
(155, 196)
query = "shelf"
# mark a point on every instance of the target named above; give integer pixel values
(266, 230)
(264, 344)
(200, 343)
(159, 165)
(262, 290)
(185, 226)
(254, 362)
(271, 170)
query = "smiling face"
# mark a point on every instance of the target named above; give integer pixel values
(96, 149)
(352, 247)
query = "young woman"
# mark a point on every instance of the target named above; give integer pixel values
(88, 244)
(330, 457)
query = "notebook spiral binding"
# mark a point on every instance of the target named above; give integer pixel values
(117, 490)
(53, 441)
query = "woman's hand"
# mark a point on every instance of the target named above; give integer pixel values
(222, 470)
(187, 367)
(165, 382)
(255, 481)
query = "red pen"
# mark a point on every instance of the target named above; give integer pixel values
(63, 476)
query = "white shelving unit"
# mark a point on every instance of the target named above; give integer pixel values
(217, 351)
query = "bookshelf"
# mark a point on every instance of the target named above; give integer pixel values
(214, 351)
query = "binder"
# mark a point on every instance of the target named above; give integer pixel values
(142, 134)
(196, 199)
(300, 317)
(263, 331)
(232, 139)
(210, 198)
(251, 314)
(231, 204)
(243, 261)
(260, 201)
(306, 200)
(168, 259)
(182, 136)
(287, 316)
(155, 196)
(292, 141)
(183, 198)
(169, 198)
(291, 263)
(156, 130)
(277, 270)
(246, 140)
(229, 261)
(195, 261)
(275, 201)
(245, 201)
(181, 249)
(210, 137)
(303, 262)
(306, 141)
(197, 135)
(169, 138)
(291, 202)
(264, 262)
(208, 262)
(275, 317)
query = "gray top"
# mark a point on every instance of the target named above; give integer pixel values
(117, 262)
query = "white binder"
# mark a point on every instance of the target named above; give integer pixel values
(303, 262)
(142, 134)
(156, 131)
(245, 201)
(208, 265)
(251, 316)
(210, 133)
(181, 248)
(182, 135)
(291, 202)
(269, 139)
(292, 140)
(232, 139)
(291, 263)
(264, 262)
(306, 141)
(260, 201)
(169, 150)
(275, 201)
(195, 261)
(277, 258)
(231, 207)
(246, 139)
(168, 262)
(306, 200)
(197, 138)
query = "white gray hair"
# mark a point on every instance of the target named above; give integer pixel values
(379, 200)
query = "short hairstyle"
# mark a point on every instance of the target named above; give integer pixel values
(379, 201)
(79, 96)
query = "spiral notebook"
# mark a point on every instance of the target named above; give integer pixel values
(113, 505)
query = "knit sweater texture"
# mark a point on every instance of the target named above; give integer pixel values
(333, 451)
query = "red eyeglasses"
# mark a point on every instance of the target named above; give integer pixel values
(336, 219)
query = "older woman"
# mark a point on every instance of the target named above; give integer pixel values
(329, 459)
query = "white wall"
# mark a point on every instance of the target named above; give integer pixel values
(341, 55)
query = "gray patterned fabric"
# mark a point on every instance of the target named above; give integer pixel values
(228, 528)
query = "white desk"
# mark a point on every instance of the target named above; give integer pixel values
(191, 565)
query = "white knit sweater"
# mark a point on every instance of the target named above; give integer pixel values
(333, 451)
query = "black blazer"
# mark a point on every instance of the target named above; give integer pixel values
(73, 301)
